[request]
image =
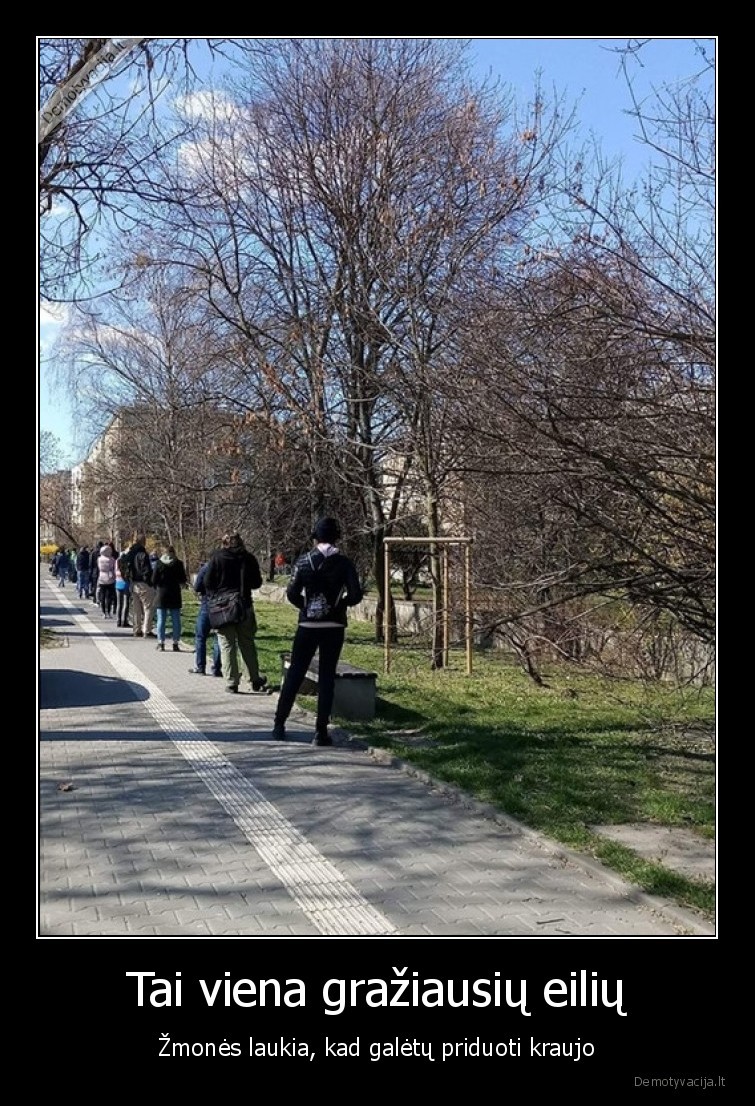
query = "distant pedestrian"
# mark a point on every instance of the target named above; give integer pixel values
(323, 585)
(234, 568)
(202, 631)
(142, 592)
(83, 569)
(106, 581)
(168, 580)
(94, 572)
(122, 590)
(63, 566)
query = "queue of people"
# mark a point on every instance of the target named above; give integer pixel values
(323, 584)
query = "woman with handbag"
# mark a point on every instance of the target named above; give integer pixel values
(233, 573)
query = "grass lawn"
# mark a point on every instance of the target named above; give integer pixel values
(580, 752)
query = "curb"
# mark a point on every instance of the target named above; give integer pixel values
(688, 923)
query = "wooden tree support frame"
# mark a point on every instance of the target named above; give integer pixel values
(443, 543)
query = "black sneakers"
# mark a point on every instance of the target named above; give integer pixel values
(259, 683)
(322, 737)
(176, 647)
(197, 671)
(279, 732)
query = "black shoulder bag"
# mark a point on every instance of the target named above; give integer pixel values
(226, 607)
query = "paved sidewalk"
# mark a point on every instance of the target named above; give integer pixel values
(165, 809)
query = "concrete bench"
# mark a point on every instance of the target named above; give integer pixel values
(355, 693)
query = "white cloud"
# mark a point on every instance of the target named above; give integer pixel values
(208, 105)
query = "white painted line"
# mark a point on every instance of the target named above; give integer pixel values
(327, 898)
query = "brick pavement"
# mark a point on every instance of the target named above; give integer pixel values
(184, 818)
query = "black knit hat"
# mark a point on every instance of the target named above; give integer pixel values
(326, 530)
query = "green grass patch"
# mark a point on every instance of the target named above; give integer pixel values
(583, 751)
(49, 639)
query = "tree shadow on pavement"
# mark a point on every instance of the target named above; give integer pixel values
(65, 687)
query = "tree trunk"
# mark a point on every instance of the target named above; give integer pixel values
(437, 659)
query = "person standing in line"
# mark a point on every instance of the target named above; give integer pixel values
(142, 592)
(168, 579)
(122, 590)
(63, 566)
(234, 568)
(106, 581)
(203, 629)
(323, 585)
(83, 568)
(94, 572)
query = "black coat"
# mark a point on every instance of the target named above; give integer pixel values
(167, 580)
(225, 570)
(335, 577)
(141, 570)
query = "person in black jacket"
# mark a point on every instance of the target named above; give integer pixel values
(323, 585)
(142, 592)
(83, 568)
(234, 568)
(94, 572)
(168, 579)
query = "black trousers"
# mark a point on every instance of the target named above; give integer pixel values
(308, 640)
(124, 602)
(107, 598)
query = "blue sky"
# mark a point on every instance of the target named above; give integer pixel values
(584, 70)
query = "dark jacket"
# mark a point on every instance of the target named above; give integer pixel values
(225, 569)
(141, 570)
(94, 570)
(334, 576)
(63, 563)
(168, 578)
(199, 584)
(83, 560)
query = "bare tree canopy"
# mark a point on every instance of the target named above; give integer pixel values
(349, 278)
(99, 161)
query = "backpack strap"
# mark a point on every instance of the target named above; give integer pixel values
(312, 565)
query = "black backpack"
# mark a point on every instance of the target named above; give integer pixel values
(317, 607)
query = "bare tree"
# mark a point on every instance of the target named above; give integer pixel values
(598, 367)
(97, 165)
(139, 364)
(336, 215)
(55, 506)
(50, 452)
